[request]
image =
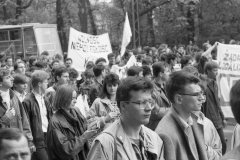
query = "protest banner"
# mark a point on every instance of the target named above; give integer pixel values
(83, 47)
(228, 57)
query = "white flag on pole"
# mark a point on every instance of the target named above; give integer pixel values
(127, 34)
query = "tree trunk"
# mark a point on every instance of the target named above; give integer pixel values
(151, 34)
(60, 25)
(83, 16)
(91, 18)
(196, 27)
(18, 9)
(4, 13)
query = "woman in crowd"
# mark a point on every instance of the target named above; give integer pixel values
(104, 109)
(67, 131)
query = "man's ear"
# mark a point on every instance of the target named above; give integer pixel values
(177, 99)
(39, 84)
(123, 106)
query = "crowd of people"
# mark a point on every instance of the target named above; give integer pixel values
(164, 107)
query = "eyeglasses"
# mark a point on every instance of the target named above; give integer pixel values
(197, 94)
(143, 104)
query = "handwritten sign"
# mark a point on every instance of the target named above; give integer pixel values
(228, 57)
(84, 47)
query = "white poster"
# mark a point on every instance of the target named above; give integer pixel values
(228, 57)
(84, 47)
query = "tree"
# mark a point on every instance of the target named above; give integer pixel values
(20, 6)
(61, 24)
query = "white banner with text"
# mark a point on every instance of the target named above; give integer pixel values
(228, 57)
(84, 47)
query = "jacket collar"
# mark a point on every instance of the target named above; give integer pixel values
(126, 142)
(197, 129)
(64, 122)
(160, 89)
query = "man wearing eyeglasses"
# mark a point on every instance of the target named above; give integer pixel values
(128, 138)
(182, 135)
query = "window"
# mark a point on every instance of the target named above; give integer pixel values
(15, 35)
(4, 36)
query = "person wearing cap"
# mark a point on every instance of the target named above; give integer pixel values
(20, 86)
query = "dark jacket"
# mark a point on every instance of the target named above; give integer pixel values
(33, 113)
(211, 108)
(19, 121)
(95, 91)
(161, 107)
(64, 140)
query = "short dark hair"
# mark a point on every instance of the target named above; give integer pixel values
(41, 65)
(90, 65)
(110, 55)
(59, 71)
(97, 70)
(146, 70)
(111, 79)
(171, 56)
(147, 61)
(20, 79)
(197, 57)
(134, 71)
(203, 60)
(8, 58)
(235, 100)
(131, 84)
(184, 60)
(31, 60)
(191, 69)
(15, 67)
(163, 57)
(3, 72)
(10, 134)
(54, 61)
(177, 81)
(68, 59)
(45, 53)
(209, 66)
(88, 73)
(101, 59)
(157, 68)
(58, 57)
(73, 73)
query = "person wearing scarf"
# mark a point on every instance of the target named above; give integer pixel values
(67, 131)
